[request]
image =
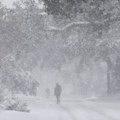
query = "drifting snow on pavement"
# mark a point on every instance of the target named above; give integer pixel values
(42, 109)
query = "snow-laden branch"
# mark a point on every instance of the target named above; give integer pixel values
(78, 24)
(68, 26)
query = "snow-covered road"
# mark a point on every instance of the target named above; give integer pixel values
(42, 109)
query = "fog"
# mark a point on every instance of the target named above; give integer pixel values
(59, 60)
(69, 80)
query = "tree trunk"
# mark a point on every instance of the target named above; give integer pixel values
(108, 80)
(108, 75)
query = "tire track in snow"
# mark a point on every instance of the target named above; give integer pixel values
(85, 113)
(66, 112)
(63, 112)
(96, 112)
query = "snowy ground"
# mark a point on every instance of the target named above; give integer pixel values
(85, 109)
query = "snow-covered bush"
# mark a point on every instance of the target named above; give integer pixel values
(15, 78)
(12, 103)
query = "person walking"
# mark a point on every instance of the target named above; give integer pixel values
(57, 92)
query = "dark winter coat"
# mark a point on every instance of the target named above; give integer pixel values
(57, 90)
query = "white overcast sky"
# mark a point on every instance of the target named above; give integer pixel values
(8, 2)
